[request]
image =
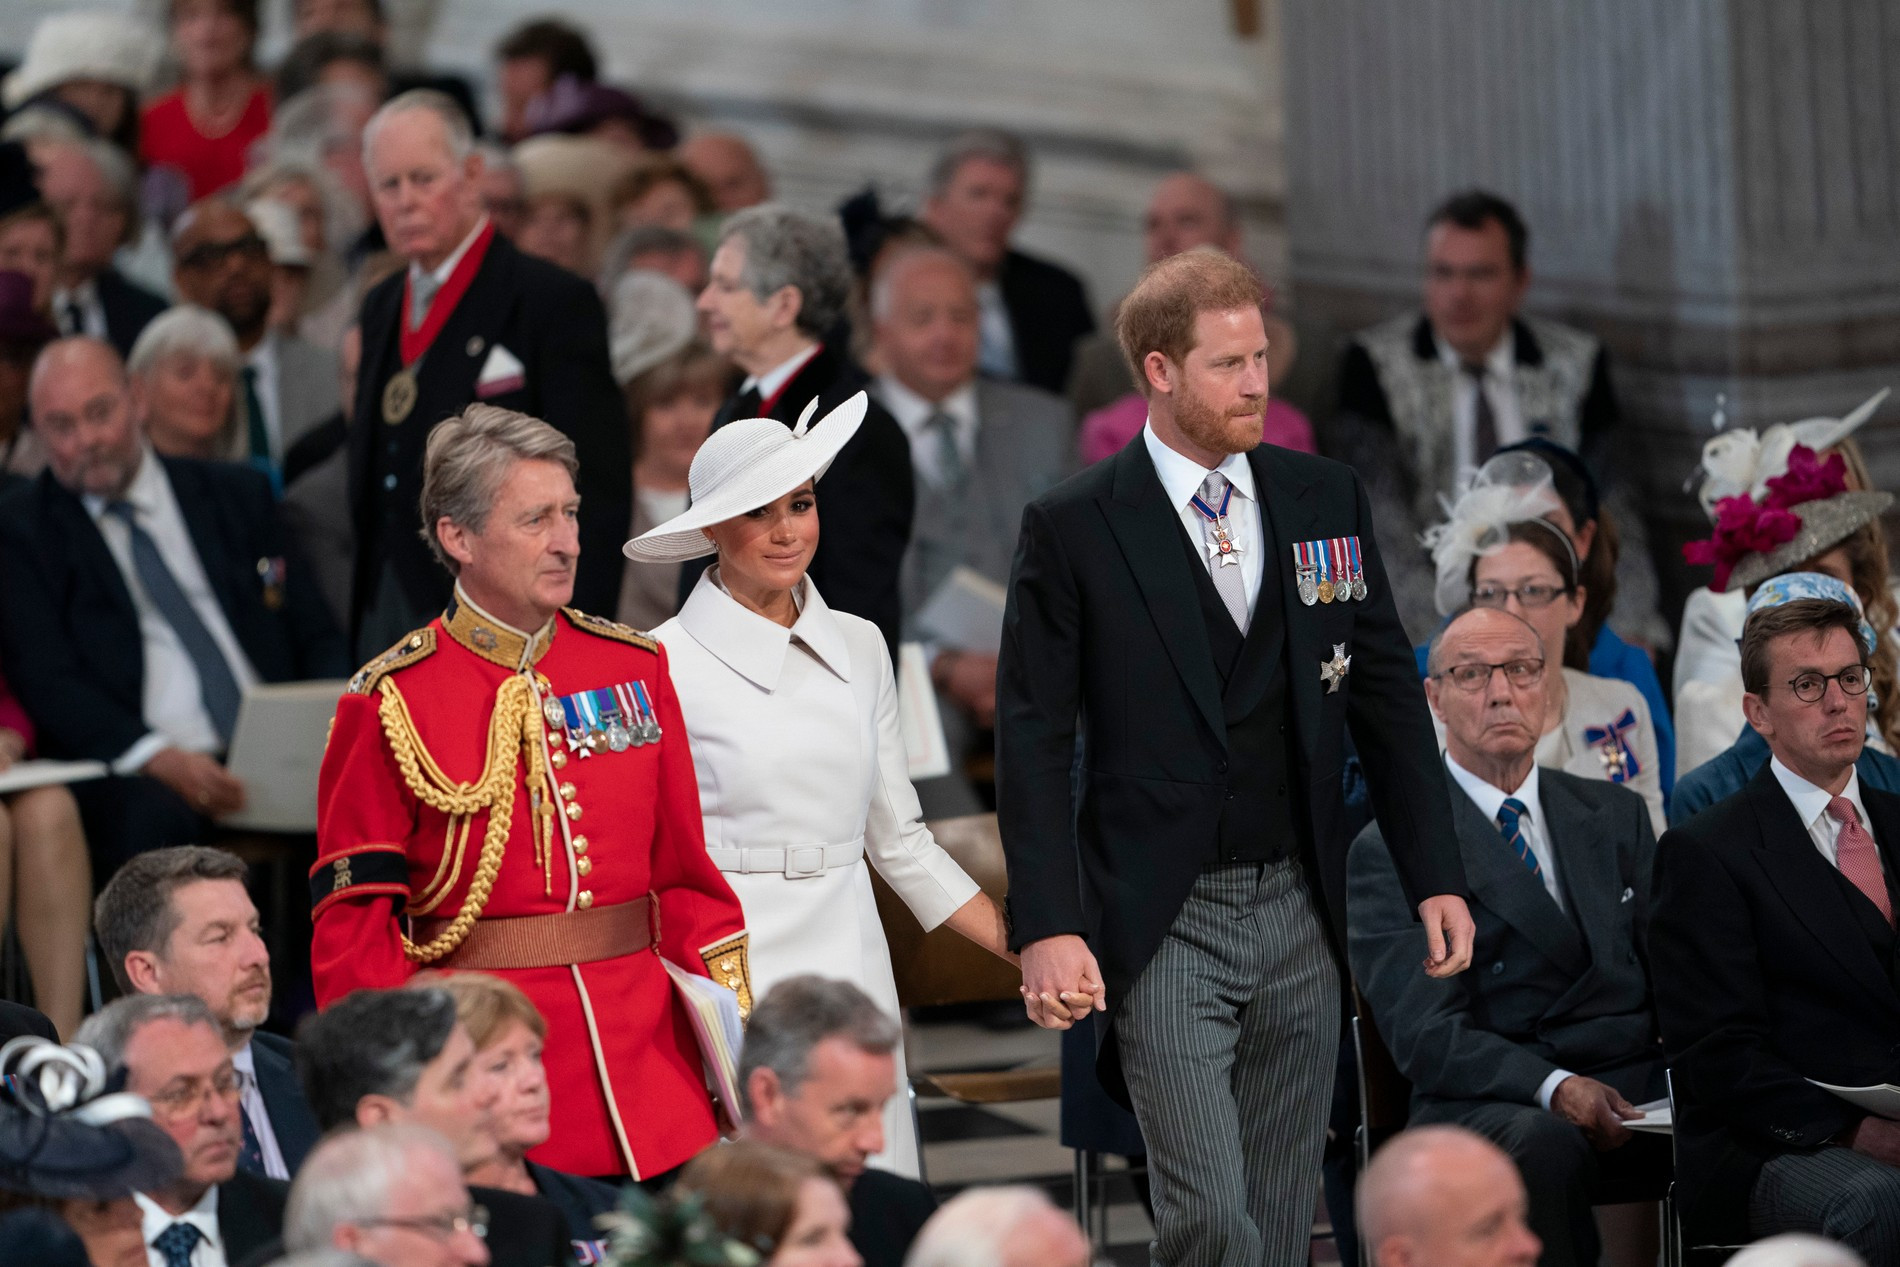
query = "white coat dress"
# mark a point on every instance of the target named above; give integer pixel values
(801, 767)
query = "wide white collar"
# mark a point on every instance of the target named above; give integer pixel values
(755, 647)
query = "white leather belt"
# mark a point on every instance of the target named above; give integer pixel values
(795, 862)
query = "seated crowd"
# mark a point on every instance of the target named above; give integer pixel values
(231, 313)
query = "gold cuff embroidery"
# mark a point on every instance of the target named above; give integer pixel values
(728, 964)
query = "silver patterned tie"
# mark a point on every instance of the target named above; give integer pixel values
(1227, 580)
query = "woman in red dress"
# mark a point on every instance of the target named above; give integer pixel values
(205, 126)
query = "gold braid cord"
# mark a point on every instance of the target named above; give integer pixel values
(513, 728)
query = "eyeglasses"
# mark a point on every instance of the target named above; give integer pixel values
(1810, 687)
(1528, 596)
(439, 1227)
(1475, 677)
(208, 255)
(188, 1099)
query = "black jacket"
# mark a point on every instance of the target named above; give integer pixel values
(553, 323)
(1104, 625)
(69, 634)
(1770, 969)
(865, 501)
(291, 1120)
(250, 1215)
(1048, 313)
(17, 1020)
(887, 1212)
(129, 308)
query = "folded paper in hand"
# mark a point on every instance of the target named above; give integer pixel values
(276, 751)
(22, 775)
(1881, 1101)
(965, 613)
(925, 749)
(1655, 1120)
(713, 1011)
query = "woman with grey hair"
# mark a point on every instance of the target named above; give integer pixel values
(183, 371)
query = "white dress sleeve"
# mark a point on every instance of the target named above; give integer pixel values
(1706, 650)
(898, 844)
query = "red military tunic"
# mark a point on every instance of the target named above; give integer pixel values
(402, 813)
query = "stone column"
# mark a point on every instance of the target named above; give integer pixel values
(1713, 187)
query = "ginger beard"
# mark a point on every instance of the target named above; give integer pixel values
(1233, 428)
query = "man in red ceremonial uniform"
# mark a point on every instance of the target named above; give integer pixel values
(470, 319)
(509, 790)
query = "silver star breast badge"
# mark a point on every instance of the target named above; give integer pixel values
(1333, 671)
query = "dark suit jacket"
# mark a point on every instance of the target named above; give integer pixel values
(1549, 987)
(250, 1214)
(553, 323)
(1770, 969)
(129, 308)
(1048, 313)
(887, 1212)
(17, 1020)
(579, 1199)
(1104, 624)
(865, 501)
(69, 633)
(522, 1231)
(290, 1117)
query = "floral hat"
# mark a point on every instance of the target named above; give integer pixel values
(1796, 515)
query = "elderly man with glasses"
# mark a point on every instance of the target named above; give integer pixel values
(1550, 1041)
(390, 1194)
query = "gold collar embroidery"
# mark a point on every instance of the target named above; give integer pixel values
(494, 640)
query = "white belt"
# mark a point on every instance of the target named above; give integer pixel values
(796, 862)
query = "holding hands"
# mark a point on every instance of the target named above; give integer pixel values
(1061, 982)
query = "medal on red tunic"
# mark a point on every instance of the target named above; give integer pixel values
(401, 392)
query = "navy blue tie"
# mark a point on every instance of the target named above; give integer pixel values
(216, 683)
(176, 1243)
(1511, 821)
(251, 1156)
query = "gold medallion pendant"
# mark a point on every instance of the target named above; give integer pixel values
(399, 397)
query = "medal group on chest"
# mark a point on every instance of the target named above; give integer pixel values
(611, 718)
(1329, 571)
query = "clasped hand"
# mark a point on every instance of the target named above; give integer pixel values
(1061, 982)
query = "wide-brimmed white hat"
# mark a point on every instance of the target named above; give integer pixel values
(111, 47)
(742, 466)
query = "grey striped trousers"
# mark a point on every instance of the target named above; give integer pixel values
(1228, 1041)
(1832, 1192)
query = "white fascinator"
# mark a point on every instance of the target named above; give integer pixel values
(1740, 462)
(1511, 488)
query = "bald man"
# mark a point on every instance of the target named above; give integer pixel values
(143, 595)
(1551, 1040)
(730, 167)
(1441, 1196)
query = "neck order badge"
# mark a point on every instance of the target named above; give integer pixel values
(401, 392)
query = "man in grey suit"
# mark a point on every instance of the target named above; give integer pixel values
(287, 386)
(981, 450)
(1546, 1045)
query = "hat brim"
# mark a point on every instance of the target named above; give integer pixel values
(1825, 523)
(75, 1160)
(758, 483)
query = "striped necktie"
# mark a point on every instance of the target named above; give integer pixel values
(1512, 816)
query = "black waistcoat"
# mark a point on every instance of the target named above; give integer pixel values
(1256, 822)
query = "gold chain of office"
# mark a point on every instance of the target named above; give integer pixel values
(514, 727)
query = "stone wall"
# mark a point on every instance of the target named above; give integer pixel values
(1712, 185)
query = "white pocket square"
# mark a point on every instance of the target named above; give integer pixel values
(1628, 894)
(501, 372)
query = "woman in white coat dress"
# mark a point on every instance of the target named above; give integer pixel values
(791, 714)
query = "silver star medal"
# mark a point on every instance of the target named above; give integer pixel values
(1223, 546)
(1333, 672)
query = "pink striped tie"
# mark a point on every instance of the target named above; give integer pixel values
(1857, 856)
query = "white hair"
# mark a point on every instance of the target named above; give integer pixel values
(348, 1178)
(1796, 1249)
(455, 125)
(975, 1228)
(185, 330)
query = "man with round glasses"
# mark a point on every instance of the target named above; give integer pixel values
(1550, 1041)
(1776, 958)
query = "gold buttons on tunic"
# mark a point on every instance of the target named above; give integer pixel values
(558, 759)
(568, 792)
(585, 866)
(585, 900)
(580, 844)
(573, 812)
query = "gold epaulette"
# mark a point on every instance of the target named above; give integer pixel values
(419, 645)
(611, 629)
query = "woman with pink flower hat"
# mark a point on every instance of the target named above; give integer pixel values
(1795, 498)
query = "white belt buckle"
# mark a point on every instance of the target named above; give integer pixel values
(802, 861)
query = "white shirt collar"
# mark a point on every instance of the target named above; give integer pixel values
(244, 1062)
(773, 379)
(1488, 797)
(441, 272)
(755, 647)
(203, 1216)
(148, 492)
(1497, 362)
(264, 355)
(86, 293)
(1810, 801)
(1181, 476)
(912, 411)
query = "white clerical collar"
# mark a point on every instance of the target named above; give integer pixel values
(1489, 797)
(913, 411)
(441, 272)
(754, 646)
(1181, 476)
(773, 380)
